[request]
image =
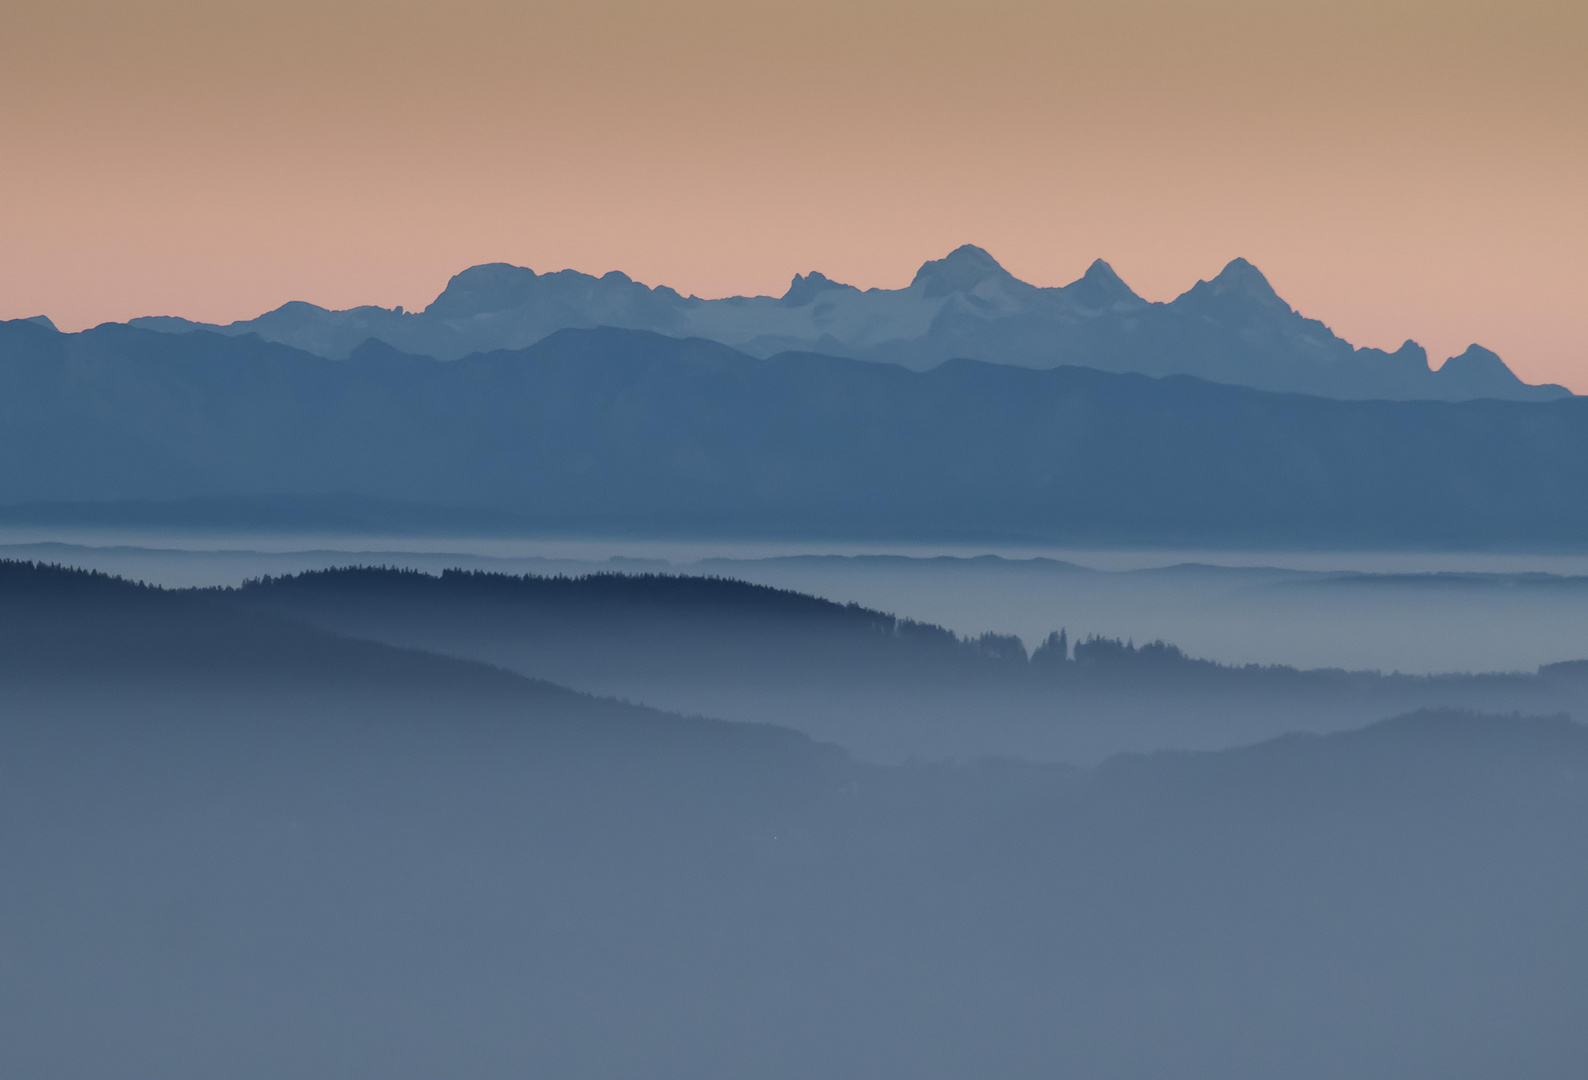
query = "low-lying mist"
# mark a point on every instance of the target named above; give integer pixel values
(252, 833)
(886, 688)
(1419, 613)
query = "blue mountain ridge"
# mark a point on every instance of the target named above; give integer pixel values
(1232, 329)
(628, 432)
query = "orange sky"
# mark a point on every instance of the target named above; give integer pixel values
(1399, 169)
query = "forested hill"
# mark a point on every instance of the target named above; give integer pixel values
(746, 619)
(885, 687)
(611, 431)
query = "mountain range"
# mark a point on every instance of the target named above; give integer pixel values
(628, 432)
(1232, 329)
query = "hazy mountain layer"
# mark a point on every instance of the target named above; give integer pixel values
(238, 847)
(1232, 329)
(628, 432)
(1246, 610)
(886, 688)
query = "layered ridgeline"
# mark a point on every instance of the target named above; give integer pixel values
(1232, 329)
(237, 845)
(616, 431)
(883, 687)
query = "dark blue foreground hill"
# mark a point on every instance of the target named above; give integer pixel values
(634, 433)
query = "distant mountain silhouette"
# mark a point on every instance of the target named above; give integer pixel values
(1232, 329)
(630, 432)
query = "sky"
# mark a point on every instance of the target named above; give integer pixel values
(1399, 169)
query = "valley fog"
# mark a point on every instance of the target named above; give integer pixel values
(299, 829)
(1413, 612)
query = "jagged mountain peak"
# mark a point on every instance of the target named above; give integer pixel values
(1239, 280)
(959, 271)
(1476, 361)
(1478, 354)
(1409, 361)
(1103, 274)
(1240, 276)
(489, 273)
(487, 287)
(1238, 273)
(807, 287)
(1102, 287)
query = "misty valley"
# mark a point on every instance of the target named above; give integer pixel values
(380, 822)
